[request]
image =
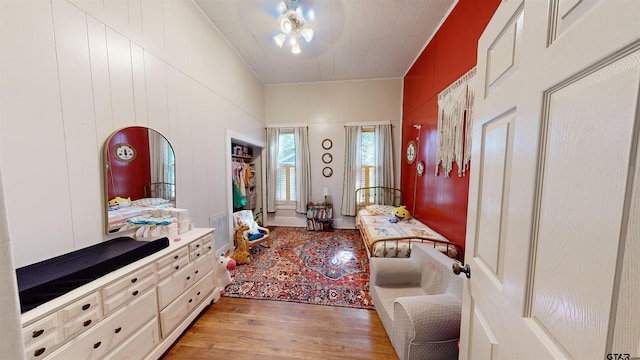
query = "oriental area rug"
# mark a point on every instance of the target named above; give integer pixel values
(314, 267)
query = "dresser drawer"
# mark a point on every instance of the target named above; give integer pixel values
(203, 265)
(43, 347)
(178, 310)
(196, 249)
(39, 330)
(173, 262)
(138, 345)
(81, 323)
(174, 285)
(97, 342)
(83, 306)
(128, 294)
(127, 281)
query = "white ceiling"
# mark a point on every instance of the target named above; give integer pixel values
(353, 39)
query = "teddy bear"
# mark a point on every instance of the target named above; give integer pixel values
(399, 213)
(222, 276)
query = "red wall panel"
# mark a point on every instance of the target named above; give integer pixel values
(127, 179)
(440, 202)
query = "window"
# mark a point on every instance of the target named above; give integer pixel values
(286, 174)
(368, 157)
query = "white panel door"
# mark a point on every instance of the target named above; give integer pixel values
(554, 201)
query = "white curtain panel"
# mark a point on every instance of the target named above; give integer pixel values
(303, 169)
(384, 156)
(272, 167)
(352, 167)
(158, 158)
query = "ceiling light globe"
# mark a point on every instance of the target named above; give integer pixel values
(286, 25)
(279, 39)
(295, 49)
(307, 34)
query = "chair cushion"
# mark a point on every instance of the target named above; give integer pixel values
(246, 216)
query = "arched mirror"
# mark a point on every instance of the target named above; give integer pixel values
(139, 175)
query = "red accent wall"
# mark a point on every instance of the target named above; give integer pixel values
(127, 179)
(440, 202)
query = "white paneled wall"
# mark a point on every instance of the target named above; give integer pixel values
(326, 108)
(75, 71)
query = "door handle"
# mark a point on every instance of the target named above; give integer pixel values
(457, 269)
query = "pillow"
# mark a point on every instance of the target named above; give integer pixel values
(380, 209)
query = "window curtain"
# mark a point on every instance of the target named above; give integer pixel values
(303, 169)
(384, 158)
(352, 168)
(158, 158)
(272, 167)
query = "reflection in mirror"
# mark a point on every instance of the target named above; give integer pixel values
(139, 173)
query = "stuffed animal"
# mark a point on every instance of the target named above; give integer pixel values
(222, 276)
(400, 213)
(241, 255)
(121, 202)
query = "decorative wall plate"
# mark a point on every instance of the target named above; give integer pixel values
(411, 152)
(327, 144)
(327, 172)
(327, 158)
(420, 168)
(124, 152)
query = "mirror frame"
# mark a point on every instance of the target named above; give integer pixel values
(137, 141)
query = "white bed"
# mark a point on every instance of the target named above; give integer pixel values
(384, 238)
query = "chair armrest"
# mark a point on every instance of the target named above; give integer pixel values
(427, 318)
(392, 271)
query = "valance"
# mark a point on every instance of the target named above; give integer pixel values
(455, 122)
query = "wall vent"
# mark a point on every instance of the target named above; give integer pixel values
(221, 223)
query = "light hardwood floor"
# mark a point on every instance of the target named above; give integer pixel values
(236, 328)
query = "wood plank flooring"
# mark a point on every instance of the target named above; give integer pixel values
(236, 328)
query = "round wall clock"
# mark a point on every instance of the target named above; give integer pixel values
(124, 152)
(411, 152)
(420, 167)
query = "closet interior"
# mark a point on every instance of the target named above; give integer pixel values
(246, 175)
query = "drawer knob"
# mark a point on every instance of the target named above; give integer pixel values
(118, 329)
(197, 245)
(197, 271)
(176, 257)
(188, 277)
(198, 293)
(97, 345)
(134, 280)
(85, 306)
(37, 333)
(39, 351)
(190, 300)
(197, 254)
(177, 267)
(87, 323)
(209, 247)
(135, 293)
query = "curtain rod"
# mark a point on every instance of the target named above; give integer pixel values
(368, 123)
(285, 125)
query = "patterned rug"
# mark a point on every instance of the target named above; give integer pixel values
(324, 268)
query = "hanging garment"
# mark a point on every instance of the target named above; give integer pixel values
(238, 200)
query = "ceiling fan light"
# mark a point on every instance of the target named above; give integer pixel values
(279, 39)
(307, 34)
(286, 25)
(295, 49)
(294, 41)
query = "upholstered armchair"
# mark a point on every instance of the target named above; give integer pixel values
(256, 234)
(419, 300)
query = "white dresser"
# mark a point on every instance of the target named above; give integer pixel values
(135, 312)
